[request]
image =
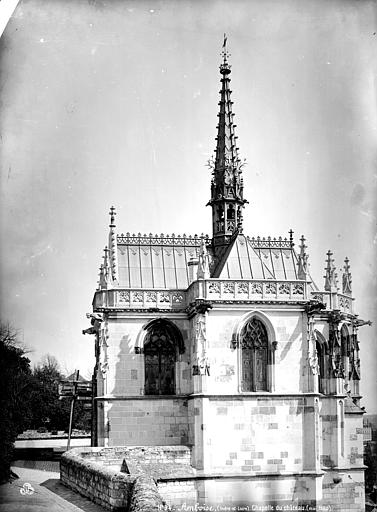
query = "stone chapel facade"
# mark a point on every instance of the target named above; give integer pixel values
(224, 344)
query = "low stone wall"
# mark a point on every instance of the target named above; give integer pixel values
(145, 496)
(120, 478)
(104, 485)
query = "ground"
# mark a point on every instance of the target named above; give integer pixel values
(44, 493)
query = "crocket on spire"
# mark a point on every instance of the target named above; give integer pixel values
(227, 199)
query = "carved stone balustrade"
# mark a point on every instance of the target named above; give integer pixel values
(345, 303)
(266, 290)
(334, 301)
(254, 290)
(209, 289)
(140, 299)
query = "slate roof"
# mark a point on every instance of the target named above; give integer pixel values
(246, 258)
(162, 261)
(155, 261)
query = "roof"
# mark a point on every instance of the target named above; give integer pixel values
(247, 258)
(152, 261)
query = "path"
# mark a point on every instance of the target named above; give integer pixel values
(44, 493)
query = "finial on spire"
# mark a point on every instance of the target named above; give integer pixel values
(302, 260)
(112, 214)
(105, 274)
(331, 277)
(291, 237)
(347, 278)
(225, 67)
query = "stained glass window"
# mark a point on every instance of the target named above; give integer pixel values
(321, 367)
(254, 346)
(160, 352)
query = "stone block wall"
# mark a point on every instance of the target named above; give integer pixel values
(176, 493)
(148, 421)
(245, 492)
(354, 447)
(254, 442)
(344, 491)
(125, 366)
(286, 329)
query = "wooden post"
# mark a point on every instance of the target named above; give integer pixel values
(76, 379)
(94, 436)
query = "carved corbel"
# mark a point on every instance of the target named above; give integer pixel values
(199, 306)
(314, 307)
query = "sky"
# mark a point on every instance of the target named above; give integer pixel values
(115, 103)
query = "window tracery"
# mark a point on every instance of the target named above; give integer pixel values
(254, 356)
(160, 355)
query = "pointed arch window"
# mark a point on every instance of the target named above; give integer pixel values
(231, 212)
(344, 351)
(161, 348)
(344, 341)
(254, 356)
(354, 361)
(321, 366)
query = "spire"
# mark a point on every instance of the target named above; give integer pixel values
(347, 278)
(113, 250)
(227, 184)
(331, 277)
(302, 260)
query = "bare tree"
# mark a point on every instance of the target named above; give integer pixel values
(15, 380)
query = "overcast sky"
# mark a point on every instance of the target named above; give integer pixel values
(115, 102)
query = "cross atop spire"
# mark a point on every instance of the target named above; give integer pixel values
(225, 55)
(227, 183)
(112, 214)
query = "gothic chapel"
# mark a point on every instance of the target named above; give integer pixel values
(225, 345)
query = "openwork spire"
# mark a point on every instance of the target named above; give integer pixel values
(302, 260)
(331, 277)
(105, 272)
(347, 278)
(227, 184)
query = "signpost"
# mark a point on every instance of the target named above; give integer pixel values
(75, 390)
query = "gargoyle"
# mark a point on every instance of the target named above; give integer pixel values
(89, 330)
(96, 319)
